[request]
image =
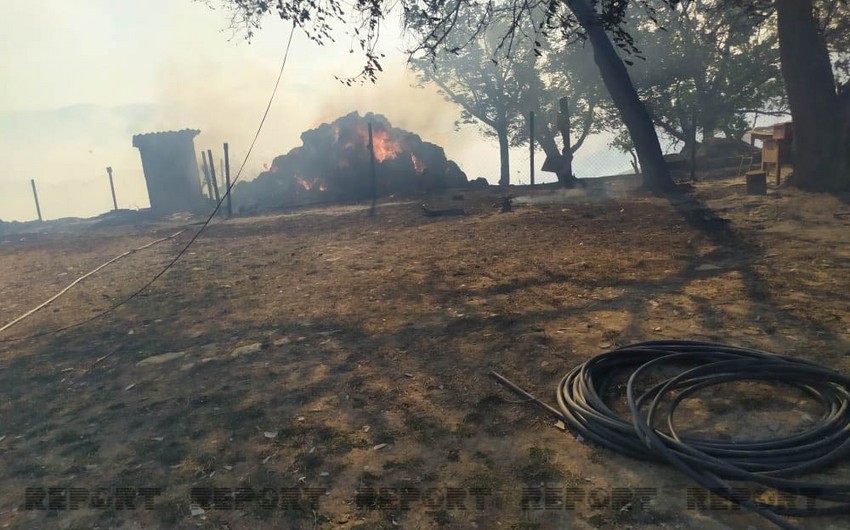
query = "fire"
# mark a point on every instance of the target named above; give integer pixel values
(418, 165)
(337, 161)
(316, 184)
(385, 147)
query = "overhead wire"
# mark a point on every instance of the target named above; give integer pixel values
(84, 276)
(205, 224)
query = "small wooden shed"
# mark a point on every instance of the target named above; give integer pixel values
(171, 170)
(776, 148)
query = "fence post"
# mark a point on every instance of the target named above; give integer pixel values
(212, 175)
(112, 187)
(531, 144)
(373, 184)
(694, 148)
(35, 194)
(227, 178)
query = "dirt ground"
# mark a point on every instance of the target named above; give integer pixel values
(335, 365)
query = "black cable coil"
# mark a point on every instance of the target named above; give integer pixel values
(714, 462)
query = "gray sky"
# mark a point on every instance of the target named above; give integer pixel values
(78, 79)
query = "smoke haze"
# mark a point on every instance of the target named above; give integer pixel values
(104, 71)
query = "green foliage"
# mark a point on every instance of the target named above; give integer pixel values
(437, 23)
(707, 67)
(698, 64)
(490, 87)
(497, 83)
(833, 18)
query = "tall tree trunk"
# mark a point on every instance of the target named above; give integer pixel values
(555, 157)
(656, 175)
(689, 131)
(821, 159)
(547, 143)
(844, 104)
(504, 156)
(565, 177)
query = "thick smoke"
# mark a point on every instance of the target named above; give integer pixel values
(334, 163)
(220, 88)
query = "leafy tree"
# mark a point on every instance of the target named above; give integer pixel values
(833, 19)
(818, 91)
(819, 107)
(813, 37)
(499, 94)
(612, 68)
(600, 22)
(707, 67)
(490, 92)
(567, 103)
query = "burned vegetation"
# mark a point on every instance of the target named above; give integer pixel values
(335, 164)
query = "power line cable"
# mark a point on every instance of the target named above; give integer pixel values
(83, 277)
(197, 234)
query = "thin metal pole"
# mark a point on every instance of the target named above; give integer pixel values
(510, 385)
(227, 178)
(112, 187)
(531, 144)
(35, 194)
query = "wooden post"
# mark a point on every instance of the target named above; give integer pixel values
(112, 187)
(373, 184)
(227, 178)
(531, 144)
(35, 194)
(212, 175)
(694, 148)
(207, 175)
(565, 177)
(693, 162)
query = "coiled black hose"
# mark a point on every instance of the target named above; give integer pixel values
(712, 463)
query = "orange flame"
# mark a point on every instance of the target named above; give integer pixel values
(418, 165)
(322, 186)
(304, 183)
(385, 147)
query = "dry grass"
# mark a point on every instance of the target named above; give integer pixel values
(382, 330)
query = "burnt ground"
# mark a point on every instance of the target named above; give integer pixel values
(327, 351)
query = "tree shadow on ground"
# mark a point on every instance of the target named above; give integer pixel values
(327, 386)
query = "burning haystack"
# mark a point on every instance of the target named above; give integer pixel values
(333, 164)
